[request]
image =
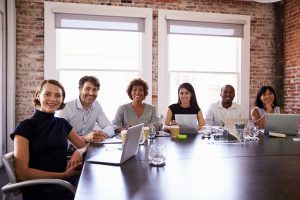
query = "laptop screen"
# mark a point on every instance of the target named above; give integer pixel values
(283, 123)
(188, 123)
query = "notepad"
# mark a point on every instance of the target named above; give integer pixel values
(277, 134)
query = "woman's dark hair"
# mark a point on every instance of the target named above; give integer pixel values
(95, 81)
(260, 92)
(36, 101)
(137, 82)
(190, 88)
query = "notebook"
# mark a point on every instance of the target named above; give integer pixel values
(283, 123)
(116, 156)
(188, 123)
(112, 140)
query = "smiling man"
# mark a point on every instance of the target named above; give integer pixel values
(84, 112)
(220, 111)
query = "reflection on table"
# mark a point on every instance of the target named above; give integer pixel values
(196, 169)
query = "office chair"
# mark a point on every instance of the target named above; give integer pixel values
(13, 187)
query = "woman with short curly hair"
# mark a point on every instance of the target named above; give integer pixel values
(137, 111)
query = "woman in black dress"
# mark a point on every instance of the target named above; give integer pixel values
(40, 145)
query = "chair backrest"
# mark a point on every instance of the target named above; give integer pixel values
(8, 162)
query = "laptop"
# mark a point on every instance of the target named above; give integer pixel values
(284, 123)
(230, 125)
(188, 123)
(116, 156)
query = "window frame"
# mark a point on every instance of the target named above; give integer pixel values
(145, 71)
(163, 75)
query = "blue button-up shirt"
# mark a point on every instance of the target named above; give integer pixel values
(84, 121)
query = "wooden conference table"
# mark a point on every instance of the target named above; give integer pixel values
(198, 169)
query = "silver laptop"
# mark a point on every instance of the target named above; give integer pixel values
(230, 122)
(116, 156)
(188, 123)
(230, 125)
(284, 123)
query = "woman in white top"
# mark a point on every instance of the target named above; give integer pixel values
(265, 102)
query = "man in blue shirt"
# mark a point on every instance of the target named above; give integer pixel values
(84, 112)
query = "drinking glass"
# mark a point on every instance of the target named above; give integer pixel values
(252, 130)
(152, 131)
(157, 155)
(239, 126)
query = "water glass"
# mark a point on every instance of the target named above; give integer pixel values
(252, 130)
(239, 126)
(152, 131)
(157, 155)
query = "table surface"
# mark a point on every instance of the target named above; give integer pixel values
(198, 169)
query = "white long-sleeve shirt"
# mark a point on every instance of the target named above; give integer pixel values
(217, 114)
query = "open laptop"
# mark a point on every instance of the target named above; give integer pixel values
(284, 123)
(188, 123)
(230, 125)
(115, 156)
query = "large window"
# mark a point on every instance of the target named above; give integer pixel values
(110, 45)
(207, 50)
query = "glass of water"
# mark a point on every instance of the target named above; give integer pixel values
(152, 131)
(240, 130)
(253, 130)
(157, 155)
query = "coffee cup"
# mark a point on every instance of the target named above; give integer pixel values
(123, 136)
(146, 132)
(174, 131)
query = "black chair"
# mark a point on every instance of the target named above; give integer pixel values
(13, 187)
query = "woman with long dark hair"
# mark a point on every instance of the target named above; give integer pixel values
(265, 102)
(186, 104)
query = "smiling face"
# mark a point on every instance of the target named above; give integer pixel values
(227, 94)
(185, 96)
(50, 98)
(267, 97)
(88, 93)
(138, 93)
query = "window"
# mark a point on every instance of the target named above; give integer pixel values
(112, 45)
(208, 50)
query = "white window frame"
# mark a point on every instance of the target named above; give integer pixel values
(51, 8)
(11, 73)
(2, 83)
(163, 75)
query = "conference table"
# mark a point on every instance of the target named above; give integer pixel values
(198, 168)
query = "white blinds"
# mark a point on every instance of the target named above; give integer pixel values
(99, 22)
(205, 28)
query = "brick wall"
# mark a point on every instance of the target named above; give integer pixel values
(292, 56)
(30, 41)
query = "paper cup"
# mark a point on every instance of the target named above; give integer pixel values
(174, 131)
(146, 132)
(123, 136)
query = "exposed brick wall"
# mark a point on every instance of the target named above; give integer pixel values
(30, 40)
(292, 56)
